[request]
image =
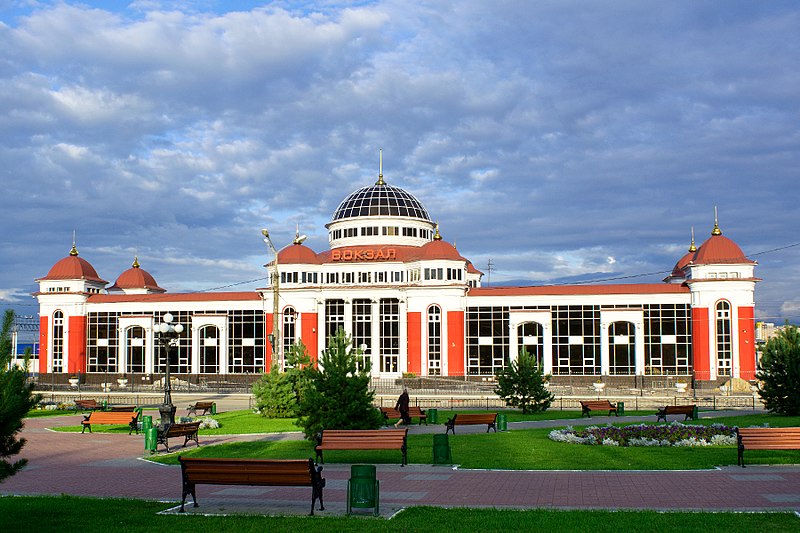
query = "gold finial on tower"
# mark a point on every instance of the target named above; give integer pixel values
(437, 236)
(380, 168)
(716, 230)
(74, 251)
(692, 247)
(135, 261)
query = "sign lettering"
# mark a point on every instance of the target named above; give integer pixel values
(369, 254)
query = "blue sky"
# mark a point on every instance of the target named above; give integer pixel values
(565, 141)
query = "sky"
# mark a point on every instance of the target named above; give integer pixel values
(564, 141)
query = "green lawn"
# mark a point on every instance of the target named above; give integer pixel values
(526, 449)
(88, 515)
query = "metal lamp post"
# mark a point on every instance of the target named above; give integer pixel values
(168, 334)
(275, 336)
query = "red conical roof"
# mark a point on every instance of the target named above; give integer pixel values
(719, 249)
(298, 254)
(136, 278)
(73, 267)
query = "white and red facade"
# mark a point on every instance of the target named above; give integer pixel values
(413, 304)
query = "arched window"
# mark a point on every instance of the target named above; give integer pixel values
(289, 329)
(209, 349)
(434, 341)
(134, 347)
(724, 341)
(530, 336)
(58, 342)
(622, 348)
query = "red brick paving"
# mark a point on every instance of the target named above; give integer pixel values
(109, 465)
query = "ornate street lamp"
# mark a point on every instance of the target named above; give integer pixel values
(168, 334)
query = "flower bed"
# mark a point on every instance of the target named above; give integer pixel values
(674, 434)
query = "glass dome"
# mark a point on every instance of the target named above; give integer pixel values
(380, 200)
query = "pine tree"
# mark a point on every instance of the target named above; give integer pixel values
(522, 384)
(278, 393)
(16, 399)
(338, 395)
(779, 372)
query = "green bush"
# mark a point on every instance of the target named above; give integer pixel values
(779, 372)
(338, 395)
(522, 384)
(277, 393)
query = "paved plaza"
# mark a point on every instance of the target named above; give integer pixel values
(111, 465)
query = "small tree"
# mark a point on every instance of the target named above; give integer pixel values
(278, 393)
(338, 395)
(779, 372)
(522, 384)
(16, 399)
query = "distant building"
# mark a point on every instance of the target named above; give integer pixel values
(413, 304)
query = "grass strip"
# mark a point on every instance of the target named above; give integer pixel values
(23, 514)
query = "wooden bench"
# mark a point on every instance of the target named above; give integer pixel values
(463, 419)
(87, 405)
(686, 410)
(122, 408)
(111, 418)
(188, 430)
(362, 439)
(261, 472)
(587, 406)
(767, 439)
(205, 406)
(390, 413)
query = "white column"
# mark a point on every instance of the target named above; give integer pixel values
(605, 350)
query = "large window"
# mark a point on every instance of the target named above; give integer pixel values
(362, 330)
(530, 336)
(134, 349)
(101, 343)
(209, 349)
(576, 339)
(246, 341)
(58, 342)
(180, 352)
(724, 341)
(289, 329)
(434, 341)
(622, 348)
(487, 340)
(667, 339)
(334, 318)
(390, 335)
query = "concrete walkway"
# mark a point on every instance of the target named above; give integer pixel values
(111, 465)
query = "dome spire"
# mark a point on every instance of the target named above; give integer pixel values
(692, 247)
(74, 251)
(716, 230)
(380, 168)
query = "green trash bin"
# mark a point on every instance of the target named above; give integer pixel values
(147, 423)
(441, 450)
(214, 408)
(502, 422)
(620, 408)
(151, 439)
(363, 489)
(433, 416)
(695, 414)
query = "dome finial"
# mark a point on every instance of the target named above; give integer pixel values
(437, 236)
(74, 251)
(692, 247)
(135, 261)
(380, 168)
(716, 230)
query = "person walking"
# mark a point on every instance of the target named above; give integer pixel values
(402, 405)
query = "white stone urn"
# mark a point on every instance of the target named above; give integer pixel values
(681, 386)
(74, 382)
(599, 386)
(123, 382)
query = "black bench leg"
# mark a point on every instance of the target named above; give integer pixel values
(316, 494)
(188, 489)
